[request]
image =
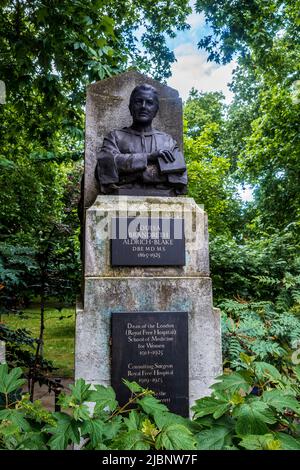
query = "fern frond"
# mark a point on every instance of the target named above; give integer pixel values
(266, 280)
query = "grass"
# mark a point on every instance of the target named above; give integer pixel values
(59, 334)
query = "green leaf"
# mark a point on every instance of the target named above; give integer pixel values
(213, 439)
(149, 429)
(131, 440)
(247, 359)
(16, 417)
(210, 405)
(6, 164)
(264, 370)
(260, 442)
(94, 429)
(134, 387)
(100, 446)
(297, 372)
(288, 442)
(166, 419)
(252, 418)
(80, 391)
(232, 383)
(81, 412)
(65, 400)
(63, 433)
(104, 397)
(175, 437)
(100, 42)
(88, 20)
(151, 405)
(280, 401)
(133, 421)
(108, 24)
(7, 430)
(111, 428)
(10, 381)
(32, 441)
(205, 422)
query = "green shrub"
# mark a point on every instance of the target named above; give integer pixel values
(255, 408)
(143, 423)
(259, 329)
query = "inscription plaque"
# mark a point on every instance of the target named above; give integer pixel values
(143, 241)
(151, 348)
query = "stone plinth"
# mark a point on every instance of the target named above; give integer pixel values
(181, 289)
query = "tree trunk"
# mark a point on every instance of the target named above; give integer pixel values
(40, 345)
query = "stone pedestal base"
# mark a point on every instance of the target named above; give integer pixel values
(134, 289)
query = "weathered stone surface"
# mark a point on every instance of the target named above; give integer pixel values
(138, 289)
(106, 295)
(107, 109)
(98, 230)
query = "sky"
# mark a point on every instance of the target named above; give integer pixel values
(191, 68)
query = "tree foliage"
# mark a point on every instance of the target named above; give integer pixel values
(39, 237)
(210, 183)
(258, 267)
(255, 265)
(263, 36)
(50, 51)
(246, 27)
(270, 159)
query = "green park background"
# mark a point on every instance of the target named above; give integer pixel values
(49, 52)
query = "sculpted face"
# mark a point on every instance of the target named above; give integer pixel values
(144, 107)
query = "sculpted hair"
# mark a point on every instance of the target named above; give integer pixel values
(144, 87)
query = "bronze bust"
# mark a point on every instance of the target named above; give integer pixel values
(139, 160)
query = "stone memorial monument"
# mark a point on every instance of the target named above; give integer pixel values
(146, 312)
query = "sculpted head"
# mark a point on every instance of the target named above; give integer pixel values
(143, 104)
